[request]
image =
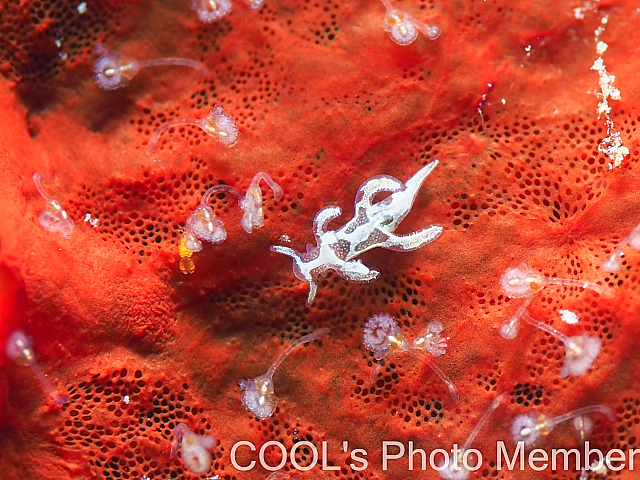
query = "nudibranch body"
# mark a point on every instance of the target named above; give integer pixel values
(372, 226)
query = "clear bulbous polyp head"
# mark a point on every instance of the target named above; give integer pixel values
(253, 214)
(54, 219)
(528, 427)
(192, 243)
(210, 11)
(19, 348)
(400, 27)
(112, 71)
(509, 330)
(195, 449)
(580, 353)
(204, 225)
(222, 126)
(519, 282)
(378, 332)
(431, 340)
(403, 28)
(258, 396)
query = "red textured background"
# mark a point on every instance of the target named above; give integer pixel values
(324, 100)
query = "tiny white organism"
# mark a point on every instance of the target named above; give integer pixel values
(382, 337)
(112, 70)
(403, 28)
(612, 264)
(217, 125)
(524, 282)
(529, 427)
(195, 449)
(19, 348)
(373, 225)
(456, 470)
(580, 351)
(251, 203)
(54, 218)
(258, 394)
(210, 11)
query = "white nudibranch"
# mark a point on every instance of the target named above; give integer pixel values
(372, 226)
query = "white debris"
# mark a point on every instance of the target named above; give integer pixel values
(601, 47)
(611, 145)
(94, 222)
(579, 12)
(569, 317)
(607, 90)
(82, 8)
